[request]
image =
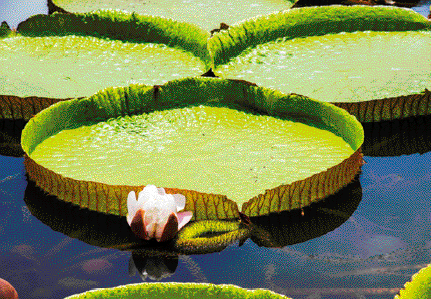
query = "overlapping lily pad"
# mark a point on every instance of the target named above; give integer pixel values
(369, 60)
(61, 56)
(178, 290)
(206, 14)
(137, 123)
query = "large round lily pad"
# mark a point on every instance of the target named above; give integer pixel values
(221, 143)
(65, 56)
(206, 14)
(178, 290)
(369, 60)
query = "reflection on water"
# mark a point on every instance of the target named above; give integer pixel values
(154, 267)
(370, 256)
(376, 250)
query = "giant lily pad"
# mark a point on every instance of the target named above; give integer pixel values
(178, 290)
(63, 56)
(206, 14)
(221, 143)
(369, 60)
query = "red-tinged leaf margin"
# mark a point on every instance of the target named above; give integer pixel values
(110, 199)
(128, 27)
(137, 99)
(14, 107)
(418, 104)
(302, 193)
(317, 21)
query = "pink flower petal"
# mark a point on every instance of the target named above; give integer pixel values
(180, 201)
(169, 230)
(184, 218)
(137, 225)
(132, 206)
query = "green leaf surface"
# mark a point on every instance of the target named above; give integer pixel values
(360, 58)
(177, 290)
(151, 143)
(311, 21)
(209, 236)
(208, 14)
(63, 56)
(343, 67)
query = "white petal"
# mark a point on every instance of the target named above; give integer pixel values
(180, 201)
(149, 191)
(162, 204)
(161, 191)
(184, 218)
(132, 206)
(150, 204)
(169, 204)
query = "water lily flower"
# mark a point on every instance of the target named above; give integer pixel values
(153, 267)
(155, 214)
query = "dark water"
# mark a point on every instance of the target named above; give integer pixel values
(371, 255)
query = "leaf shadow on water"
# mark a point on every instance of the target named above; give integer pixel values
(397, 137)
(300, 225)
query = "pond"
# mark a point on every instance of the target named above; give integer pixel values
(380, 245)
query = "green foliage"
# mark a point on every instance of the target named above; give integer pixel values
(311, 21)
(177, 290)
(209, 236)
(123, 26)
(5, 29)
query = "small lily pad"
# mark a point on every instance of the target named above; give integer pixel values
(178, 290)
(359, 58)
(419, 287)
(112, 231)
(63, 56)
(205, 138)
